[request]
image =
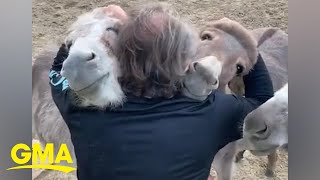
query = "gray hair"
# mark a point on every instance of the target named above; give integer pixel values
(155, 48)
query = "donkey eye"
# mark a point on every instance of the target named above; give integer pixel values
(215, 82)
(113, 29)
(206, 36)
(92, 56)
(240, 69)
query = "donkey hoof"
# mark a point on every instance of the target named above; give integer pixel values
(270, 173)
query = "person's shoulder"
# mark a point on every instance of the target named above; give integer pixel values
(219, 95)
(230, 101)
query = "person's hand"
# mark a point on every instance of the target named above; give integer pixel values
(60, 57)
(115, 12)
(211, 178)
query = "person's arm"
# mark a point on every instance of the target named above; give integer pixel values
(258, 84)
(258, 87)
(62, 54)
(59, 84)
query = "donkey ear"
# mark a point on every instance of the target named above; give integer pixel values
(225, 19)
(115, 12)
(242, 34)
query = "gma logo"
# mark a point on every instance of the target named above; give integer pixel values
(46, 157)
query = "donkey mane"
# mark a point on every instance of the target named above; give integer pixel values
(266, 35)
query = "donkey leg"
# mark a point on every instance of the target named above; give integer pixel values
(272, 161)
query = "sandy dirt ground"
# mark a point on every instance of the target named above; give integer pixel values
(52, 17)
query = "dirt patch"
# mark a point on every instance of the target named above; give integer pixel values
(52, 17)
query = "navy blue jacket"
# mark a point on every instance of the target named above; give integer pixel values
(145, 139)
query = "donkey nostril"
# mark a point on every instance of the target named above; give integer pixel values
(263, 130)
(216, 82)
(254, 125)
(261, 134)
(195, 64)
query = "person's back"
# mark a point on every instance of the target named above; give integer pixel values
(157, 133)
(153, 139)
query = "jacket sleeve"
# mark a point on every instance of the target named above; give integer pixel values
(258, 88)
(59, 84)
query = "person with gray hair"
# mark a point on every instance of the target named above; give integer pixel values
(157, 133)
